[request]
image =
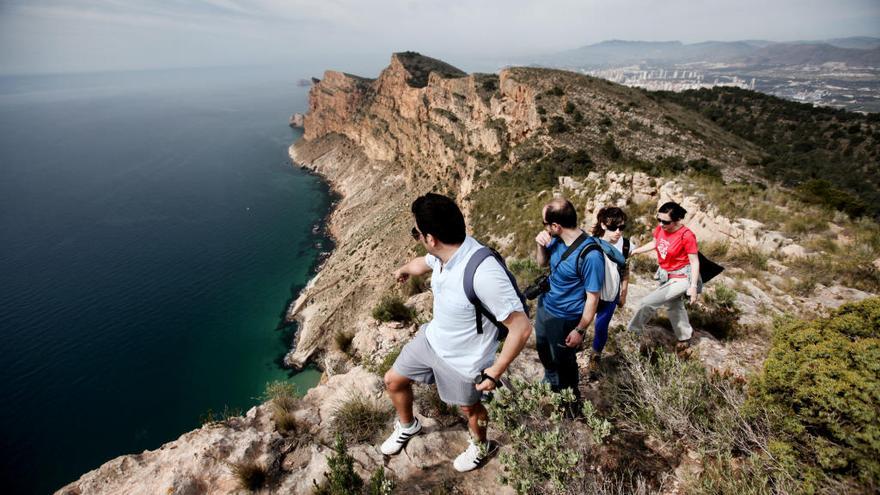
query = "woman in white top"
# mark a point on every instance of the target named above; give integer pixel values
(610, 223)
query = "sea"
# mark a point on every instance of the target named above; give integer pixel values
(152, 233)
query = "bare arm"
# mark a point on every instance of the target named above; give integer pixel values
(542, 240)
(574, 339)
(416, 266)
(695, 277)
(644, 249)
(519, 329)
(624, 287)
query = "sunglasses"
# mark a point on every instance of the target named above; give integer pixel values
(416, 235)
(615, 228)
(665, 222)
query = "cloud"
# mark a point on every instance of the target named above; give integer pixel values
(84, 35)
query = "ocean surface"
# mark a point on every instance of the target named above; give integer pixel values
(152, 232)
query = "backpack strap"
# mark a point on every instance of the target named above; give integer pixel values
(479, 310)
(574, 245)
(592, 246)
(626, 246)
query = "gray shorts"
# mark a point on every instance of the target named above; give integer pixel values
(418, 361)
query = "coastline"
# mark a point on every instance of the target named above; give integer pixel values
(298, 301)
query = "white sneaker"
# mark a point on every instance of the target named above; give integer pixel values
(400, 436)
(473, 457)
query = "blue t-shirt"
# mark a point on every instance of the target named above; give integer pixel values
(568, 289)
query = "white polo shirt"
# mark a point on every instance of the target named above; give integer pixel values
(453, 331)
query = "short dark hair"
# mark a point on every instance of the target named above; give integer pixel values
(675, 211)
(609, 215)
(561, 211)
(439, 216)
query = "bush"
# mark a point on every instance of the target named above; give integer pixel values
(392, 308)
(821, 385)
(382, 367)
(343, 340)
(341, 479)
(611, 149)
(359, 419)
(250, 475)
(569, 107)
(544, 451)
(415, 284)
(379, 483)
(427, 399)
(555, 91)
(284, 402)
(719, 315)
(557, 125)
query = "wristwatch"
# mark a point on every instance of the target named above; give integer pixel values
(581, 331)
(482, 376)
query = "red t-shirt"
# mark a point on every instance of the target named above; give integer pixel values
(673, 249)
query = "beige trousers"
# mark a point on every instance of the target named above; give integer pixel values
(671, 294)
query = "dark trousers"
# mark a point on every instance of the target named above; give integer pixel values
(559, 360)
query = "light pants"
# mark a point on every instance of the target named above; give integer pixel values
(671, 294)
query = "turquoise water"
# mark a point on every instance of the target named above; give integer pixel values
(152, 234)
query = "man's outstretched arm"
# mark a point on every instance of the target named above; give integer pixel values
(416, 266)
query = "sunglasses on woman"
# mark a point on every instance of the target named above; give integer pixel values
(615, 228)
(665, 222)
(415, 233)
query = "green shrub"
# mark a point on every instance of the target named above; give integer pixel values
(359, 419)
(381, 367)
(427, 399)
(343, 339)
(249, 475)
(569, 107)
(543, 451)
(379, 483)
(341, 477)
(555, 91)
(821, 386)
(557, 125)
(719, 314)
(283, 396)
(212, 418)
(415, 284)
(610, 148)
(392, 308)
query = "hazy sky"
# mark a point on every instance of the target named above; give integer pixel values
(89, 35)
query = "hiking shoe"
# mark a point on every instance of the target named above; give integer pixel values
(595, 361)
(394, 443)
(473, 457)
(683, 348)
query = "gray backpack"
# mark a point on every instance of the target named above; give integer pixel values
(479, 310)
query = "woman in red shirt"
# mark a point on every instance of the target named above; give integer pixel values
(679, 274)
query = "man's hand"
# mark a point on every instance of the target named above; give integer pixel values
(574, 339)
(488, 385)
(401, 275)
(543, 238)
(692, 293)
(622, 298)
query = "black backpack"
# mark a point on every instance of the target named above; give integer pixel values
(479, 310)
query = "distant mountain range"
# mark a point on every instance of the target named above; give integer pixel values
(855, 51)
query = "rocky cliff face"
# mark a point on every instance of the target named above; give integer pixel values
(424, 125)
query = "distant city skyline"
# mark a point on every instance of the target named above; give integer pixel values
(40, 36)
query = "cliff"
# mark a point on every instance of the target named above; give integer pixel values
(503, 145)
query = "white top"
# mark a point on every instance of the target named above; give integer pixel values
(619, 245)
(453, 331)
(611, 285)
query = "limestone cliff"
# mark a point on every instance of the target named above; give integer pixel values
(503, 145)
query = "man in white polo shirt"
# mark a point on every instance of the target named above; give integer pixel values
(449, 350)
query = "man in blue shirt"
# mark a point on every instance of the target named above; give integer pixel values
(568, 308)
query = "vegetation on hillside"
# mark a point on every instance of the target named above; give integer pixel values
(831, 155)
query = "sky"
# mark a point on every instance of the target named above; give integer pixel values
(60, 36)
